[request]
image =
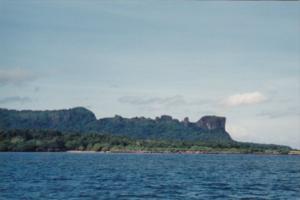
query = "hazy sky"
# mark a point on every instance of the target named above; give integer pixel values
(147, 58)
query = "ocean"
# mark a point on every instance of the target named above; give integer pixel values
(148, 176)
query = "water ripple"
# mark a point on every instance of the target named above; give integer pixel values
(147, 176)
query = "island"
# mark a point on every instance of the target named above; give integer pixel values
(78, 129)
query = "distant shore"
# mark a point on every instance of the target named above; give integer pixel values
(54, 141)
(294, 152)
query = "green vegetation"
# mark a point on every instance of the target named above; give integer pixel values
(78, 129)
(81, 120)
(46, 140)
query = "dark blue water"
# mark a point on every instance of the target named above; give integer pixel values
(148, 176)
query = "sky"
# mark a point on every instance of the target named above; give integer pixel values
(235, 59)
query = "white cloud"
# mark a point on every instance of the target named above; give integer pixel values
(16, 76)
(244, 99)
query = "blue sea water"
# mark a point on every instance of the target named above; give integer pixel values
(147, 176)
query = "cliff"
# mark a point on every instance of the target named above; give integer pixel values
(208, 128)
(74, 119)
(212, 123)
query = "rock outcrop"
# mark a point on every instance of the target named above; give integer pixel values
(212, 123)
(186, 121)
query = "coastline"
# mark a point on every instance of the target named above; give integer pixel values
(47, 141)
(292, 153)
(178, 152)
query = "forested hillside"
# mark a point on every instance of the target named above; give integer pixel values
(81, 120)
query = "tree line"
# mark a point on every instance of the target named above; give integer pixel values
(48, 140)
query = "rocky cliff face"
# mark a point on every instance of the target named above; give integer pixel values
(208, 128)
(74, 119)
(212, 123)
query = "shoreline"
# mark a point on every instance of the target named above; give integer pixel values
(154, 152)
(169, 152)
